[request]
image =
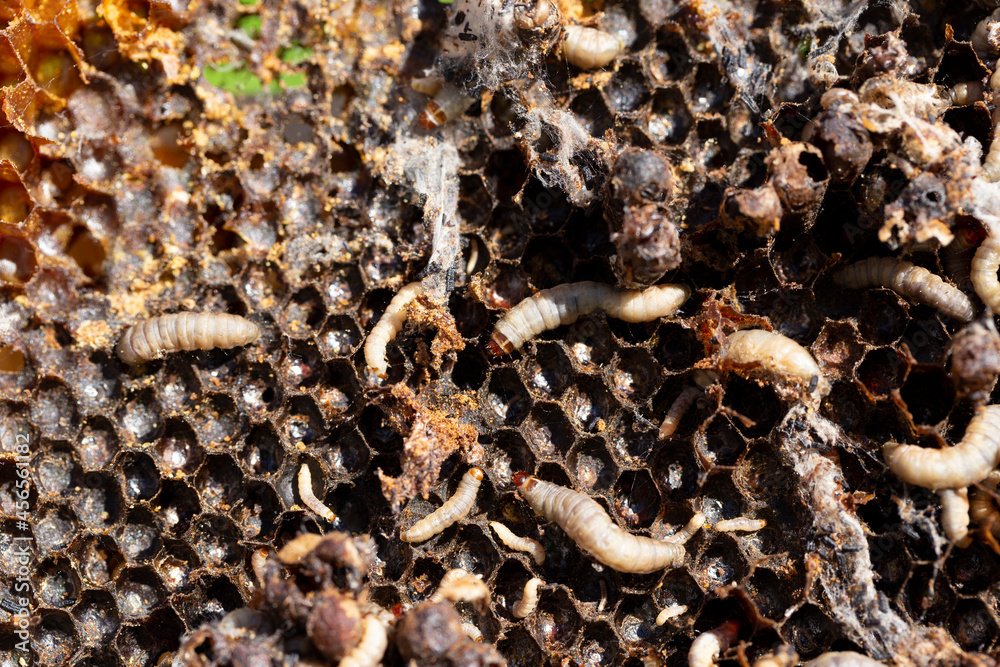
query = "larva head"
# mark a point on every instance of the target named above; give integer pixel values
(499, 345)
(521, 478)
(476, 473)
(432, 116)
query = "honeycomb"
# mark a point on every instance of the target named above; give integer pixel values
(264, 158)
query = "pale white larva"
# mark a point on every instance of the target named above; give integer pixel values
(309, 498)
(459, 586)
(910, 281)
(388, 326)
(955, 515)
(565, 304)
(740, 524)
(532, 547)
(843, 659)
(677, 410)
(956, 257)
(966, 92)
(587, 524)
(472, 632)
(371, 648)
(709, 645)
(985, 38)
(529, 599)
(991, 164)
(258, 560)
(783, 656)
(451, 511)
(589, 48)
(672, 611)
(956, 467)
(683, 535)
(184, 331)
(775, 354)
(985, 263)
(449, 103)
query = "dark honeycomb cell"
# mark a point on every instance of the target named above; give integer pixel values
(676, 347)
(139, 476)
(56, 583)
(809, 630)
(97, 618)
(216, 541)
(548, 430)
(891, 320)
(137, 536)
(140, 418)
(219, 482)
(520, 649)
(54, 639)
(138, 592)
(973, 626)
(591, 464)
(881, 372)
(772, 594)
(54, 529)
(589, 343)
(302, 314)
(340, 395)
(340, 337)
(593, 112)
(555, 623)
(262, 452)
(302, 423)
(668, 120)
(510, 453)
(54, 412)
(177, 385)
(470, 369)
(590, 405)
(722, 564)
(54, 472)
(633, 375)
(636, 499)
(599, 645)
(98, 560)
(548, 372)
(506, 400)
(178, 451)
(176, 564)
(302, 367)
(99, 503)
(928, 394)
(376, 427)
(260, 394)
(548, 262)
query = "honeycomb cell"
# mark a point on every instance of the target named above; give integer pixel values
(340, 337)
(520, 649)
(178, 504)
(99, 502)
(508, 287)
(668, 120)
(339, 395)
(54, 472)
(928, 595)
(675, 471)
(599, 645)
(142, 645)
(473, 551)
(302, 423)
(723, 443)
(547, 261)
(509, 453)
(98, 559)
(219, 482)
(260, 393)
(97, 618)
(548, 430)
(590, 405)
(178, 451)
(722, 564)
(378, 432)
(303, 313)
(216, 541)
(137, 536)
(54, 639)
(302, 367)
(972, 570)
(636, 499)
(470, 316)
(630, 444)
(95, 383)
(176, 564)
(973, 625)
(55, 529)
(139, 476)
(506, 399)
(881, 372)
(845, 406)
(892, 319)
(928, 393)
(177, 385)
(590, 107)
(809, 630)
(262, 453)
(505, 173)
(676, 347)
(470, 369)
(592, 465)
(548, 372)
(140, 418)
(138, 592)
(589, 343)
(633, 375)
(555, 623)
(56, 583)
(770, 593)
(54, 412)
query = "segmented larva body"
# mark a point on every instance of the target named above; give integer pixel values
(677, 409)
(184, 331)
(589, 48)
(451, 511)
(980, 38)
(448, 103)
(472, 632)
(912, 282)
(388, 326)
(257, 562)
(956, 467)
(459, 586)
(309, 499)
(740, 524)
(371, 648)
(843, 659)
(565, 304)
(673, 611)
(529, 599)
(532, 547)
(985, 263)
(776, 354)
(783, 656)
(587, 524)
(981, 506)
(709, 645)
(683, 535)
(956, 257)
(966, 92)
(955, 515)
